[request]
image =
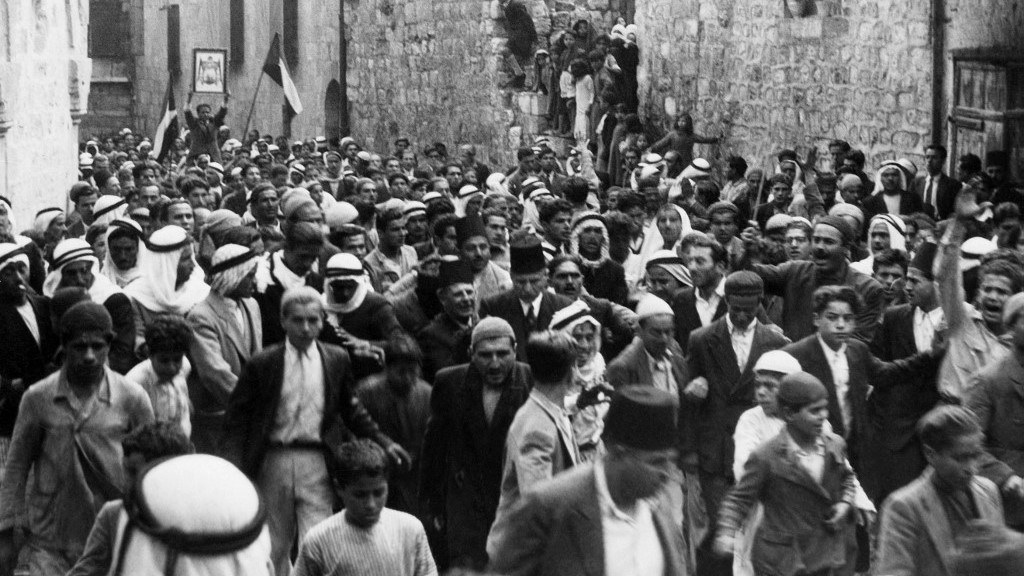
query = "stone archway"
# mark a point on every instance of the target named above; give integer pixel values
(332, 110)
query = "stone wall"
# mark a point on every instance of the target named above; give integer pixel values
(206, 24)
(860, 70)
(44, 91)
(431, 70)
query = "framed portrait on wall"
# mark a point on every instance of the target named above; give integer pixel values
(209, 71)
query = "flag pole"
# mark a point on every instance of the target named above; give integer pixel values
(255, 94)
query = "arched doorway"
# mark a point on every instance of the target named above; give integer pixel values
(332, 110)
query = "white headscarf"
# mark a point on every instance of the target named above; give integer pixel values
(130, 228)
(344, 266)
(78, 250)
(496, 183)
(44, 218)
(108, 208)
(12, 254)
(461, 200)
(891, 165)
(897, 240)
(155, 288)
(583, 220)
(230, 265)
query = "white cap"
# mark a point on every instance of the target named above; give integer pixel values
(777, 361)
(651, 305)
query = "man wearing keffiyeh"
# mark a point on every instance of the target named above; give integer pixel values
(227, 332)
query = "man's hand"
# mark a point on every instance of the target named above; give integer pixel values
(593, 396)
(724, 545)
(750, 236)
(697, 389)
(837, 516)
(1014, 487)
(966, 206)
(8, 553)
(399, 457)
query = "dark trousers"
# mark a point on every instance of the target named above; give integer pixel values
(714, 488)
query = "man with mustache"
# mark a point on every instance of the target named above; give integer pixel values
(796, 281)
(25, 330)
(471, 408)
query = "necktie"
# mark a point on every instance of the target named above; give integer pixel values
(531, 319)
(929, 193)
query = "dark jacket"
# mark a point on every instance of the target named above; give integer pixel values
(796, 282)
(22, 357)
(463, 454)
(730, 391)
(204, 138)
(792, 538)
(946, 193)
(607, 280)
(506, 305)
(684, 305)
(444, 343)
(122, 350)
(909, 203)
(374, 320)
(270, 306)
(866, 373)
(556, 531)
(253, 407)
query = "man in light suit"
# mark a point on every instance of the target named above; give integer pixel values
(540, 442)
(577, 523)
(721, 362)
(654, 358)
(227, 330)
(292, 402)
(528, 306)
(935, 188)
(921, 522)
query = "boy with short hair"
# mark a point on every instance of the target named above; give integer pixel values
(806, 486)
(164, 375)
(365, 538)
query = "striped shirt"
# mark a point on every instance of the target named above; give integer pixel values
(395, 546)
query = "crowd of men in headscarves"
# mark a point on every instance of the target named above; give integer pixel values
(746, 362)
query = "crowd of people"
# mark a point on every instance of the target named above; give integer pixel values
(307, 357)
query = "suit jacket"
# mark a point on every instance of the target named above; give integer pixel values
(220, 348)
(122, 349)
(909, 203)
(462, 455)
(253, 407)
(945, 195)
(23, 357)
(684, 305)
(444, 343)
(866, 373)
(895, 411)
(916, 538)
(730, 390)
(538, 447)
(556, 531)
(506, 305)
(791, 536)
(997, 399)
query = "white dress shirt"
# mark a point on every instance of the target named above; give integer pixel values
(925, 324)
(742, 341)
(840, 368)
(661, 372)
(631, 543)
(812, 460)
(300, 411)
(28, 314)
(706, 308)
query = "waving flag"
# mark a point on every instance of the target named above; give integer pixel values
(276, 68)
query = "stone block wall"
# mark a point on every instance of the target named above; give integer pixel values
(44, 91)
(860, 70)
(432, 70)
(206, 24)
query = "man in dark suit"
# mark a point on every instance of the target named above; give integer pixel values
(653, 358)
(894, 191)
(27, 336)
(572, 524)
(905, 330)
(935, 188)
(287, 268)
(721, 362)
(292, 401)
(848, 370)
(238, 201)
(528, 306)
(471, 408)
(446, 338)
(704, 303)
(796, 281)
